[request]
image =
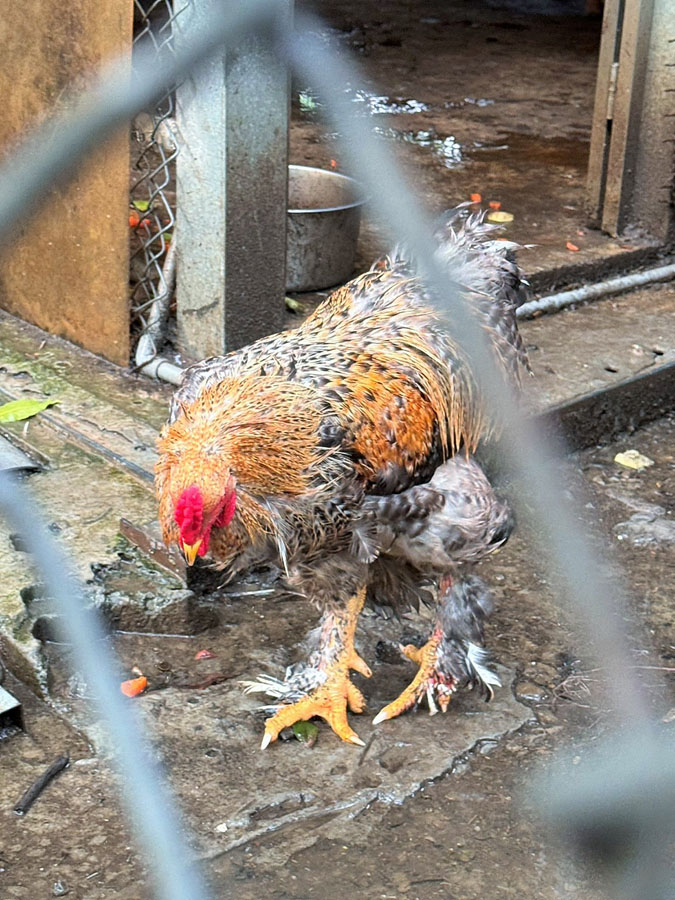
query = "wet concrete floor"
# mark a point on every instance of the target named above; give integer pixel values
(475, 97)
(433, 807)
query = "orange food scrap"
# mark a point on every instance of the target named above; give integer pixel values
(205, 654)
(134, 686)
(333, 164)
(495, 204)
(571, 246)
(135, 220)
(476, 198)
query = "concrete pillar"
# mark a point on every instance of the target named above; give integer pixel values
(232, 176)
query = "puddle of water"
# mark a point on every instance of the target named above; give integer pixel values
(367, 103)
(376, 105)
(447, 149)
(468, 101)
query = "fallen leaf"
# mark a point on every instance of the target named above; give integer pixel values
(18, 410)
(571, 246)
(141, 205)
(495, 204)
(633, 459)
(205, 654)
(476, 198)
(134, 686)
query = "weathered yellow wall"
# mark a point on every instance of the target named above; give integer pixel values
(68, 269)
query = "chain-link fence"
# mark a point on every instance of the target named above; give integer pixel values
(630, 790)
(152, 217)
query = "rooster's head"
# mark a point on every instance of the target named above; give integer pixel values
(196, 515)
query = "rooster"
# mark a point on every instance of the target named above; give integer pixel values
(343, 452)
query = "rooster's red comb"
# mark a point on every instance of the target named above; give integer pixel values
(189, 514)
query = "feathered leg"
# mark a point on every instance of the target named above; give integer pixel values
(453, 656)
(323, 687)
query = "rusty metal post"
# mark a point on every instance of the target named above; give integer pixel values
(631, 159)
(232, 188)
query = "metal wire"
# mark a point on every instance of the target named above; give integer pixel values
(156, 822)
(154, 149)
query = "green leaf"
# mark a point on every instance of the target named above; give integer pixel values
(141, 205)
(306, 733)
(294, 305)
(18, 410)
(307, 102)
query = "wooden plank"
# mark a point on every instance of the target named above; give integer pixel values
(649, 207)
(601, 130)
(630, 83)
(232, 176)
(67, 271)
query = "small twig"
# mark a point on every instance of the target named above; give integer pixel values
(366, 749)
(40, 784)
(98, 518)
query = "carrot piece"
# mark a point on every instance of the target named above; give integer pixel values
(134, 219)
(476, 198)
(134, 686)
(495, 204)
(571, 246)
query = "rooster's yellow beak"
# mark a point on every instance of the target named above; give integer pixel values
(190, 552)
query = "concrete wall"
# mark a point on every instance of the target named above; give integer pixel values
(68, 269)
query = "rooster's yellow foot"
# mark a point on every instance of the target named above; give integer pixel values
(321, 688)
(429, 681)
(330, 701)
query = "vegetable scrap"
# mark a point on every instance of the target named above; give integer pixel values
(135, 220)
(476, 198)
(205, 654)
(333, 164)
(495, 204)
(571, 246)
(306, 732)
(499, 217)
(295, 306)
(134, 686)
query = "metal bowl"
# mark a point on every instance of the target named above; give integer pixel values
(324, 216)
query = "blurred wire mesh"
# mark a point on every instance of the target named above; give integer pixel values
(153, 173)
(595, 596)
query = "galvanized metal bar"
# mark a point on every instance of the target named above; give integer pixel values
(232, 174)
